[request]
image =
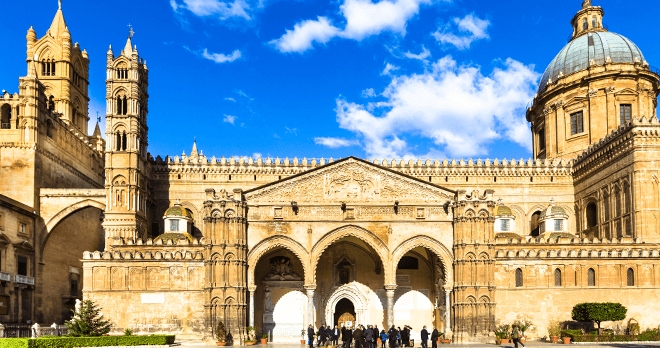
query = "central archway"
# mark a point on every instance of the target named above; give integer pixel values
(354, 292)
(344, 313)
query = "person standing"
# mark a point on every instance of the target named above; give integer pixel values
(369, 337)
(434, 338)
(357, 337)
(517, 335)
(335, 335)
(424, 337)
(383, 338)
(349, 337)
(392, 333)
(310, 336)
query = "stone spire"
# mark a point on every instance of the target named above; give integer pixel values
(128, 49)
(58, 27)
(97, 131)
(194, 149)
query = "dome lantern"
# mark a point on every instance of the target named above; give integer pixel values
(178, 223)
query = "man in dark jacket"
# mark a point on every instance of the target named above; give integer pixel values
(349, 338)
(310, 336)
(335, 335)
(425, 337)
(357, 336)
(392, 335)
(369, 337)
(405, 336)
(434, 338)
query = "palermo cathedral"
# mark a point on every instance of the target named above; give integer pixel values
(176, 244)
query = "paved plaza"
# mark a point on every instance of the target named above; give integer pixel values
(201, 344)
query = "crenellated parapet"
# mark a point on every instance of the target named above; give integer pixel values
(200, 164)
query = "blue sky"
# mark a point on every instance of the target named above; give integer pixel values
(373, 79)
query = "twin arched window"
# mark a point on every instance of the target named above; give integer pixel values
(122, 105)
(48, 67)
(121, 141)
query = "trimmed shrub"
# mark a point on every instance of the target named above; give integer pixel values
(72, 342)
(599, 312)
(15, 342)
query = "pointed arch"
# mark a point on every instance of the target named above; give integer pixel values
(430, 243)
(274, 242)
(351, 231)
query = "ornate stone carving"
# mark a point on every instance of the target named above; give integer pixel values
(349, 181)
(280, 269)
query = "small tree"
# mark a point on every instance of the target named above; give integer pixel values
(599, 312)
(221, 332)
(87, 321)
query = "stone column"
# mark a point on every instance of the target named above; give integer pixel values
(252, 290)
(309, 289)
(389, 289)
(447, 311)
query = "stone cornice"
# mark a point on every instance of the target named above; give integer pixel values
(615, 145)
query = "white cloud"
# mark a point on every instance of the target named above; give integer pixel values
(256, 155)
(335, 142)
(388, 67)
(304, 34)
(470, 27)
(229, 119)
(457, 107)
(368, 93)
(276, 136)
(204, 8)
(363, 18)
(291, 130)
(422, 56)
(221, 58)
(231, 99)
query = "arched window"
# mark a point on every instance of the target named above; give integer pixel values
(631, 277)
(557, 277)
(534, 224)
(5, 116)
(592, 215)
(123, 141)
(616, 209)
(627, 205)
(118, 142)
(591, 277)
(125, 106)
(584, 24)
(519, 278)
(594, 22)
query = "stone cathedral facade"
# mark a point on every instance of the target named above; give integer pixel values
(176, 244)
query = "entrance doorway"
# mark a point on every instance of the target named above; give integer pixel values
(345, 313)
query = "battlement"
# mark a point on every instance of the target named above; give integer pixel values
(202, 164)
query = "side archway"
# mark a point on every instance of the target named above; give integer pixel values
(430, 243)
(274, 242)
(350, 231)
(63, 214)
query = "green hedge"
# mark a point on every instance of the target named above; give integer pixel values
(70, 342)
(15, 342)
(576, 336)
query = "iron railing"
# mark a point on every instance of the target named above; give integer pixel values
(27, 330)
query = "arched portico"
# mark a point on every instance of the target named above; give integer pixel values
(429, 243)
(275, 242)
(363, 234)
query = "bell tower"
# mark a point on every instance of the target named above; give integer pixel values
(126, 162)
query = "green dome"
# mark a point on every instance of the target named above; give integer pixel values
(553, 210)
(502, 210)
(174, 236)
(178, 210)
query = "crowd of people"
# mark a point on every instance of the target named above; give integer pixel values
(368, 337)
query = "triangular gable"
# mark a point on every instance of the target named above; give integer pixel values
(350, 180)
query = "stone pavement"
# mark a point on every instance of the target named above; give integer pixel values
(531, 344)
